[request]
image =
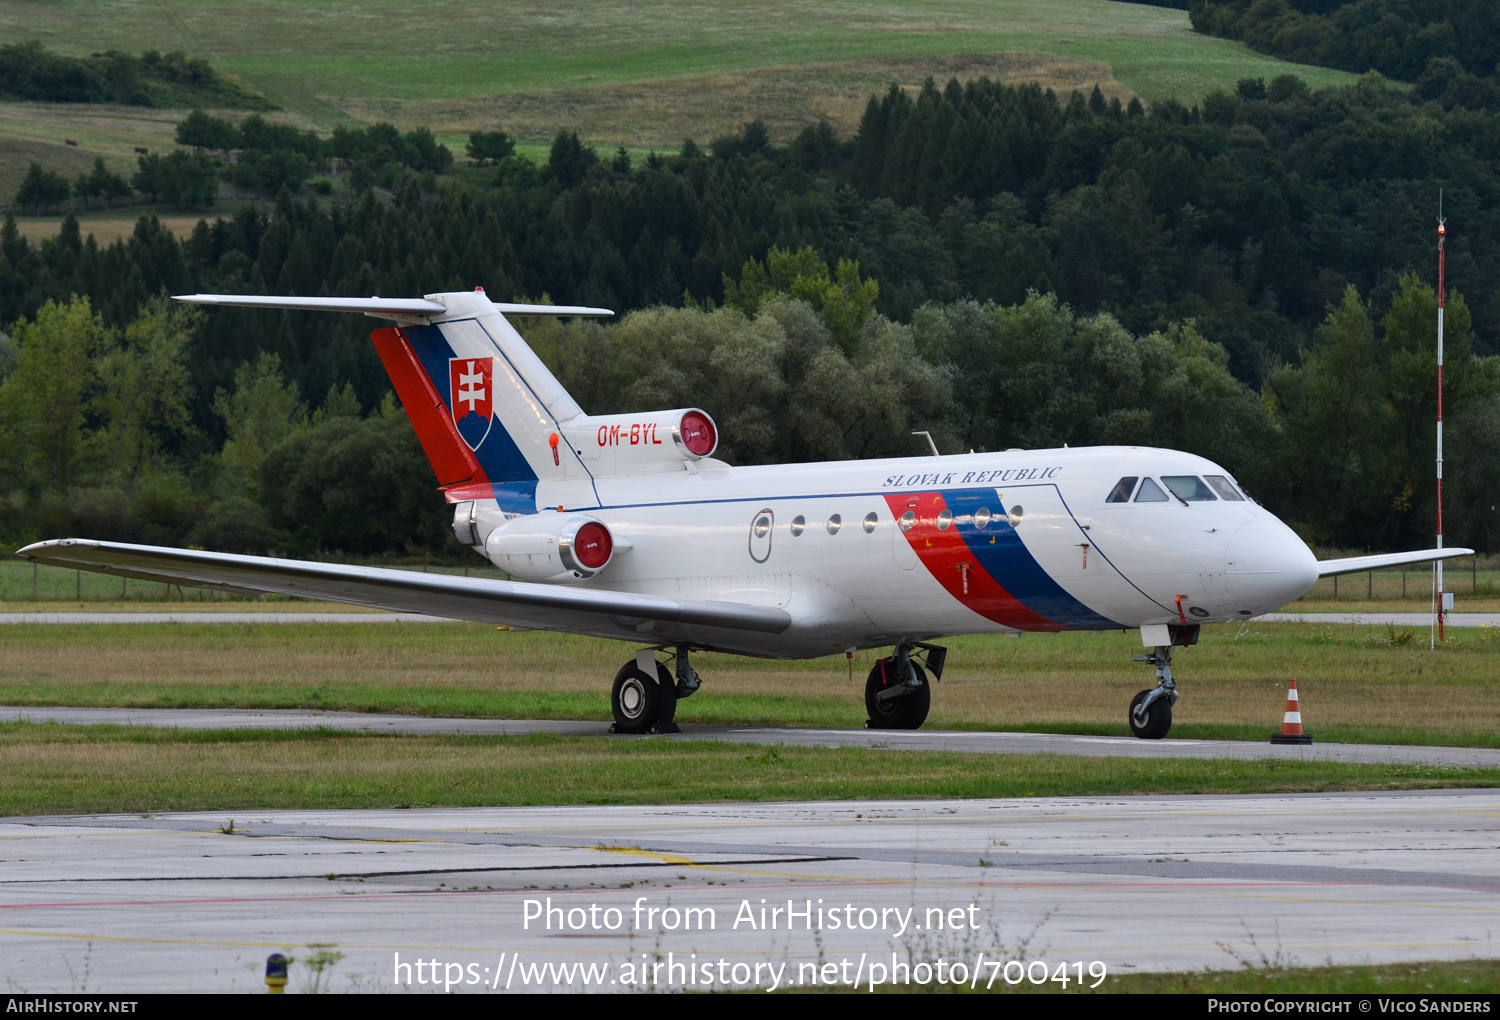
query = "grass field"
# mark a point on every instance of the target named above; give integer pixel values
(51, 769)
(1362, 684)
(645, 73)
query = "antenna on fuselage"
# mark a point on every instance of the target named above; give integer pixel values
(929, 442)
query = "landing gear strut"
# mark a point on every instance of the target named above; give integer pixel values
(644, 698)
(1150, 713)
(897, 692)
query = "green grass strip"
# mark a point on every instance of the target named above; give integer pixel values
(51, 768)
(708, 707)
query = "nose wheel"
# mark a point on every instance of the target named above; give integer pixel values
(1150, 721)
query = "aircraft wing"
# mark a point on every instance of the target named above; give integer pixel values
(1359, 564)
(646, 619)
(380, 308)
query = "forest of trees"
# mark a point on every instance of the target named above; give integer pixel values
(29, 72)
(1248, 278)
(1449, 48)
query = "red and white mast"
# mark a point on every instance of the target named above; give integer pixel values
(1442, 230)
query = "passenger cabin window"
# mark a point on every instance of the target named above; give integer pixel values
(1223, 487)
(1123, 488)
(1150, 493)
(1190, 488)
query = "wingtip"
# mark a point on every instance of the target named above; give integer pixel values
(53, 543)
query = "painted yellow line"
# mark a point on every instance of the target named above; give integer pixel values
(668, 858)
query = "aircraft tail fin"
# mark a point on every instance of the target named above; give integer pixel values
(492, 418)
(490, 411)
(485, 408)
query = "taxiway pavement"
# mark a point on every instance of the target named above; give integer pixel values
(196, 902)
(982, 742)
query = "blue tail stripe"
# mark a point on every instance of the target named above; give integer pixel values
(513, 479)
(999, 550)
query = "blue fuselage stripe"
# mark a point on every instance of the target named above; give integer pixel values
(1002, 554)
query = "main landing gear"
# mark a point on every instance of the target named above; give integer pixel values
(644, 697)
(1150, 713)
(897, 691)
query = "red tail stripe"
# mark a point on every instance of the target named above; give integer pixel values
(450, 456)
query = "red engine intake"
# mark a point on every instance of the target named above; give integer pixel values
(591, 546)
(696, 432)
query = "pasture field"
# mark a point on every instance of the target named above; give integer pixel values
(1358, 684)
(53, 769)
(646, 73)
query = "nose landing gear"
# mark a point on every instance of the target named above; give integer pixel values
(1151, 710)
(1150, 713)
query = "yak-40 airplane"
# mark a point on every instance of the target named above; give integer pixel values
(625, 526)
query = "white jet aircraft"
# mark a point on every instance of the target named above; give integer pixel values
(625, 526)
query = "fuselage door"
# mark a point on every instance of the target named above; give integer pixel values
(761, 527)
(906, 519)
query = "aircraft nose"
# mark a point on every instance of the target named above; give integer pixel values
(1269, 566)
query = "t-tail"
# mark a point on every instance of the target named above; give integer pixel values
(494, 421)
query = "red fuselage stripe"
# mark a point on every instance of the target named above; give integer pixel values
(948, 558)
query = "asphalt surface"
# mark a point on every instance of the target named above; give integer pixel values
(904, 740)
(194, 902)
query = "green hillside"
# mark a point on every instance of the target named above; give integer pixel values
(645, 74)
(297, 51)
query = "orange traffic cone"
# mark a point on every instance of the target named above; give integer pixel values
(1291, 723)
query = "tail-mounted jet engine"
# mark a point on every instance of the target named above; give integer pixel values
(551, 547)
(631, 444)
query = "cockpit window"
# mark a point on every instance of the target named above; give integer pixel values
(1189, 488)
(1150, 493)
(1123, 488)
(1223, 487)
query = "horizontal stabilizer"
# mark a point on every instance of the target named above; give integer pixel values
(384, 308)
(1359, 564)
(593, 611)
